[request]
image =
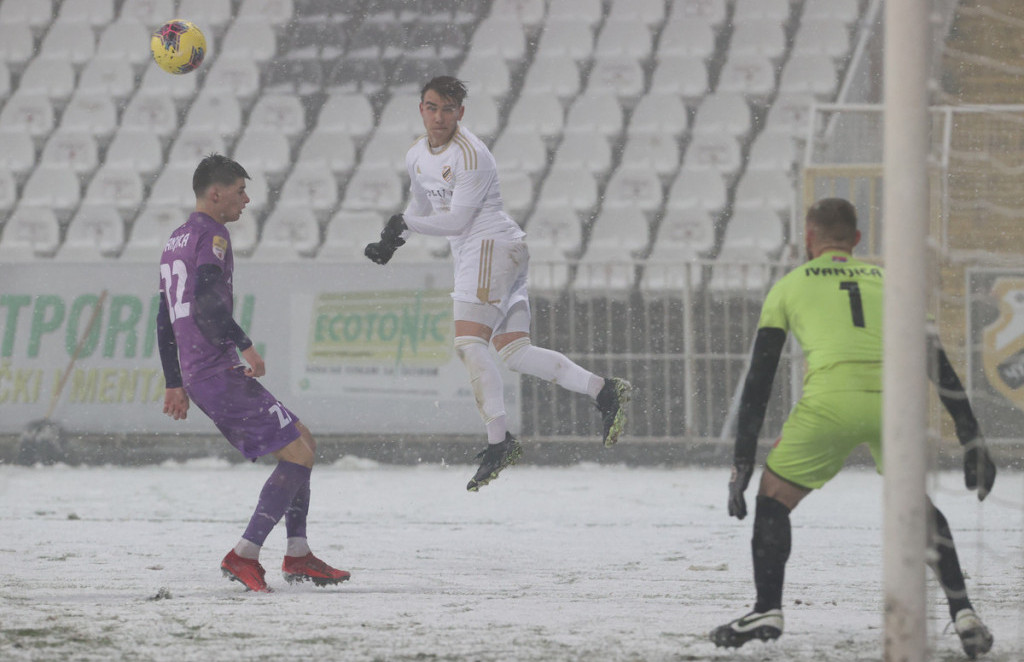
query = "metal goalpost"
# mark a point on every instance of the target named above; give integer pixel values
(905, 209)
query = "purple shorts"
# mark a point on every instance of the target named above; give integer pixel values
(247, 414)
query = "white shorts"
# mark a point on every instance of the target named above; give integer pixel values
(490, 284)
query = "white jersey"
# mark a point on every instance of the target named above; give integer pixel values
(461, 175)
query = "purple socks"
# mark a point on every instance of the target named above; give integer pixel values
(287, 490)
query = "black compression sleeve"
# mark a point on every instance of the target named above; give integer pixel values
(168, 345)
(756, 390)
(951, 392)
(212, 317)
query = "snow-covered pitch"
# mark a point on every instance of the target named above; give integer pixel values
(547, 563)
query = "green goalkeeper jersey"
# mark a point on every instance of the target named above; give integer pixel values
(833, 307)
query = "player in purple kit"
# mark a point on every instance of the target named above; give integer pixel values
(199, 344)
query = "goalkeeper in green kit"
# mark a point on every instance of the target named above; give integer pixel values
(833, 306)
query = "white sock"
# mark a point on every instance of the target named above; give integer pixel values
(297, 547)
(485, 378)
(595, 386)
(248, 550)
(520, 355)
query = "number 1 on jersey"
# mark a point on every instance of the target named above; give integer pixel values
(856, 305)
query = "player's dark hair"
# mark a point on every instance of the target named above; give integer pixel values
(216, 169)
(449, 87)
(835, 219)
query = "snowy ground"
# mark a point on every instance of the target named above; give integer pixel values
(565, 563)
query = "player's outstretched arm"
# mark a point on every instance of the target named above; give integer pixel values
(175, 399)
(757, 389)
(979, 469)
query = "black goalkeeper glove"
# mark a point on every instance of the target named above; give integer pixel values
(390, 239)
(738, 481)
(979, 469)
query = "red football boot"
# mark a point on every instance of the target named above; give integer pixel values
(301, 568)
(247, 571)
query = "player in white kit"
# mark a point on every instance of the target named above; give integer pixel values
(455, 193)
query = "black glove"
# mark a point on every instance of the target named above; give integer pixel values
(738, 481)
(978, 464)
(382, 251)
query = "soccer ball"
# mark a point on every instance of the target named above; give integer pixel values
(178, 46)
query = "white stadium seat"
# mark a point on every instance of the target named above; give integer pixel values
(283, 112)
(173, 188)
(683, 236)
(558, 76)
(156, 81)
(151, 13)
(68, 42)
(401, 115)
(764, 12)
(584, 151)
(350, 112)
(331, 148)
(691, 37)
(120, 41)
(684, 75)
(136, 150)
(617, 237)
(387, 150)
(711, 11)
(93, 113)
(277, 13)
(626, 37)
(757, 38)
(289, 233)
(216, 110)
(809, 74)
(238, 75)
(718, 152)
(588, 12)
(568, 187)
(55, 186)
(94, 233)
(566, 38)
(765, 189)
(29, 233)
(209, 15)
(347, 234)
(516, 191)
(263, 149)
(150, 230)
(537, 113)
(312, 186)
(846, 11)
(724, 113)
(520, 151)
(554, 234)
(528, 12)
(621, 75)
(753, 76)
(34, 14)
(595, 113)
(249, 39)
(650, 12)
(54, 79)
(375, 189)
(829, 37)
(191, 145)
(635, 188)
(499, 36)
(17, 45)
(76, 149)
(116, 186)
(8, 190)
(654, 150)
(772, 151)
(109, 77)
(486, 76)
(790, 114)
(17, 152)
(697, 189)
(151, 112)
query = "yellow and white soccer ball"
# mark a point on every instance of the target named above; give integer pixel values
(178, 46)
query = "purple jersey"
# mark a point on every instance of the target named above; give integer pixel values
(201, 240)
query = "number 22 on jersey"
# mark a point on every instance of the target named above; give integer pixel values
(174, 276)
